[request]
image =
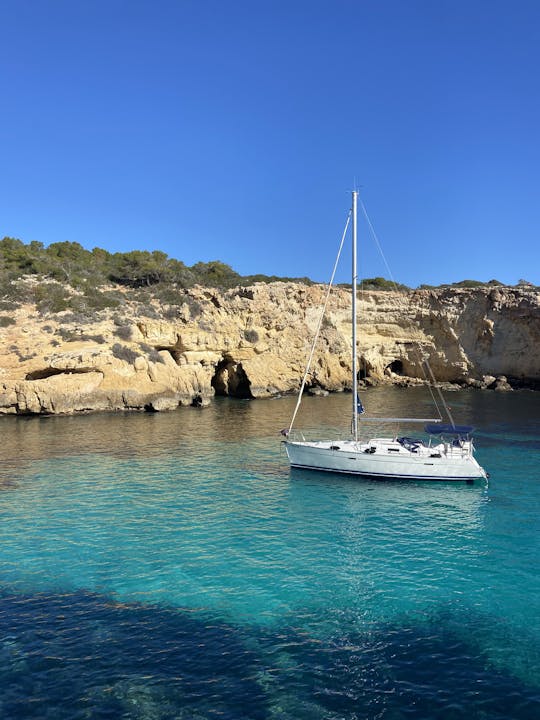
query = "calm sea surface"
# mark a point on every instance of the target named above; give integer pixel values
(159, 566)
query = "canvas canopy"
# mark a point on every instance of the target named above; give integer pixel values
(441, 429)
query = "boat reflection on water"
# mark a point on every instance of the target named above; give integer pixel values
(434, 506)
(393, 550)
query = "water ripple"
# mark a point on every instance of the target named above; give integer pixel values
(159, 566)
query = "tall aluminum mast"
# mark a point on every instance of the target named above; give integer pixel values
(354, 358)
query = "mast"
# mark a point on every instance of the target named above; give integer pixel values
(354, 354)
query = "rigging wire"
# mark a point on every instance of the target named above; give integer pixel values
(423, 360)
(319, 325)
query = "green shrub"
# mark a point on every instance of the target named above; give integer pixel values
(122, 352)
(14, 293)
(147, 310)
(171, 313)
(380, 283)
(70, 262)
(100, 339)
(168, 294)
(124, 332)
(5, 321)
(68, 335)
(252, 279)
(468, 284)
(140, 267)
(93, 300)
(251, 335)
(51, 297)
(8, 305)
(76, 317)
(23, 358)
(151, 353)
(215, 274)
(194, 306)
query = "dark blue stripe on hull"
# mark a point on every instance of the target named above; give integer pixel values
(384, 476)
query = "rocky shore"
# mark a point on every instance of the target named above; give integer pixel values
(253, 342)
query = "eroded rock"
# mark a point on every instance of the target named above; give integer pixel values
(254, 342)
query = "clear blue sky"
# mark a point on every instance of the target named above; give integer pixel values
(235, 131)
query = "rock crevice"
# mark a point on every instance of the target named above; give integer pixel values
(254, 342)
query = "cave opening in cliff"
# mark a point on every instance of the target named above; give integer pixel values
(396, 366)
(362, 368)
(230, 379)
(45, 373)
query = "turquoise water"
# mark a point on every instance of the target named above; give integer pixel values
(171, 566)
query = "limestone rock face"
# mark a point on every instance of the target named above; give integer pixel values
(254, 342)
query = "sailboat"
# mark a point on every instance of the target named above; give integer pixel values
(448, 455)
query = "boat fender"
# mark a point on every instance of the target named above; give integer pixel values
(334, 447)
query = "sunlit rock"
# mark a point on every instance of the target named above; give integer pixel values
(254, 342)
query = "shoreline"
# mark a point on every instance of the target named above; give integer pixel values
(253, 343)
(201, 404)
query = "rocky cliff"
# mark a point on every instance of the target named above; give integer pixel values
(253, 342)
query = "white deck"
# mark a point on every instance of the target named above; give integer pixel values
(385, 458)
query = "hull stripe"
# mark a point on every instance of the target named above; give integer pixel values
(387, 476)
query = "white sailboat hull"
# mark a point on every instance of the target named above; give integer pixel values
(451, 459)
(387, 461)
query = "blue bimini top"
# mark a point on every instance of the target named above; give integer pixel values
(440, 429)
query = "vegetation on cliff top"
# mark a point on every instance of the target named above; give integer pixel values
(66, 276)
(70, 262)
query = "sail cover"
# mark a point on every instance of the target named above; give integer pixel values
(440, 429)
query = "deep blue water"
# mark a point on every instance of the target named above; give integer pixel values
(171, 566)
